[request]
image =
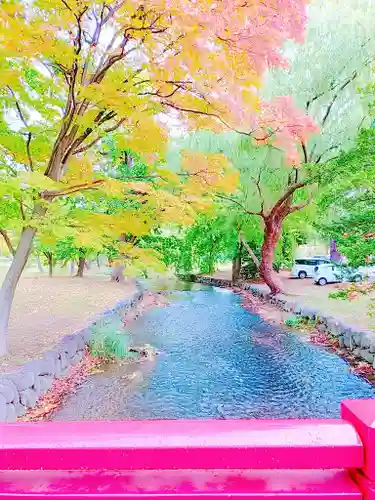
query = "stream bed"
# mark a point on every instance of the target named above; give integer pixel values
(217, 360)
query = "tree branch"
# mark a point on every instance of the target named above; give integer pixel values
(8, 242)
(228, 198)
(50, 195)
(285, 197)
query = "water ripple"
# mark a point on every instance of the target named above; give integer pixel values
(220, 361)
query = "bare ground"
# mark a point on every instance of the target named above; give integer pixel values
(45, 309)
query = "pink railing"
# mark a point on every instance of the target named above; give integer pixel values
(211, 459)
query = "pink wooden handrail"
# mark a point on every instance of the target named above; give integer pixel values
(196, 444)
(209, 459)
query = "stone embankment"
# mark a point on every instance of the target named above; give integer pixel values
(21, 389)
(360, 342)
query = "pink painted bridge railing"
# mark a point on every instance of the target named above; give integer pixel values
(208, 459)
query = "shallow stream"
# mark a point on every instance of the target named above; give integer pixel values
(217, 360)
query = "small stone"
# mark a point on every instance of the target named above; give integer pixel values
(11, 413)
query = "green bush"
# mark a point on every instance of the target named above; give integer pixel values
(110, 342)
(293, 322)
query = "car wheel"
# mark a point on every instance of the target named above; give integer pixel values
(302, 275)
(322, 281)
(357, 278)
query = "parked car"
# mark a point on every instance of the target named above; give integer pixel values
(337, 273)
(304, 268)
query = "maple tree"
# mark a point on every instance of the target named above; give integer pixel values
(279, 177)
(73, 71)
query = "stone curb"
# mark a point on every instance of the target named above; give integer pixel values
(21, 389)
(360, 341)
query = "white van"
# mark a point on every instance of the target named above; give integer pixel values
(304, 268)
(333, 273)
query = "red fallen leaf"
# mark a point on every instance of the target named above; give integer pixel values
(62, 388)
(362, 369)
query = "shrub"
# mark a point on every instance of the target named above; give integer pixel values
(110, 342)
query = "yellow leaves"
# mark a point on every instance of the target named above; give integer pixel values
(140, 259)
(79, 169)
(148, 138)
(38, 181)
(208, 172)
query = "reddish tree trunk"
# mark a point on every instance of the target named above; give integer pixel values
(272, 232)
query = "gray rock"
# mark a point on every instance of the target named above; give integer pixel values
(3, 409)
(11, 413)
(87, 335)
(68, 347)
(22, 380)
(28, 398)
(8, 390)
(367, 356)
(64, 360)
(74, 360)
(348, 342)
(42, 384)
(357, 338)
(80, 341)
(365, 342)
(297, 309)
(357, 352)
(20, 409)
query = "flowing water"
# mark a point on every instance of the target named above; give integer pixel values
(217, 360)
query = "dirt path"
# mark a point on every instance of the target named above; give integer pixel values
(45, 309)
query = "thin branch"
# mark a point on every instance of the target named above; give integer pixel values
(8, 242)
(96, 140)
(50, 195)
(228, 198)
(331, 148)
(301, 206)
(19, 110)
(334, 98)
(28, 141)
(23, 119)
(304, 151)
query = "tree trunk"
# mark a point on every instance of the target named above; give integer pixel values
(81, 267)
(272, 231)
(10, 283)
(50, 265)
(236, 264)
(254, 258)
(118, 273)
(39, 264)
